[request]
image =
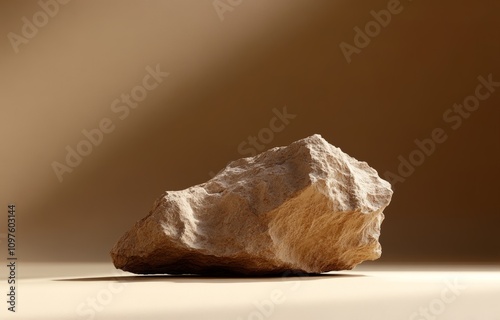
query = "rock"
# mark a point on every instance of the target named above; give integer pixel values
(307, 207)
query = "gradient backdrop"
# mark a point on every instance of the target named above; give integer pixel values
(229, 71)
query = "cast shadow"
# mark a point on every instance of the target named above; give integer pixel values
(221, 278)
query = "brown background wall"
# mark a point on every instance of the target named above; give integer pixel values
(226, 77)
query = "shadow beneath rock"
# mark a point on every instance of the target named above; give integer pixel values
(213, 279)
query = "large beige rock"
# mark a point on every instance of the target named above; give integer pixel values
(307, 207)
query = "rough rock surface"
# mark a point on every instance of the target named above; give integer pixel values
(307, 207)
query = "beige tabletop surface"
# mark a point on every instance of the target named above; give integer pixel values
(371, 291)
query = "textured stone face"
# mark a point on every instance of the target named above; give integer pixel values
(306, 207)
